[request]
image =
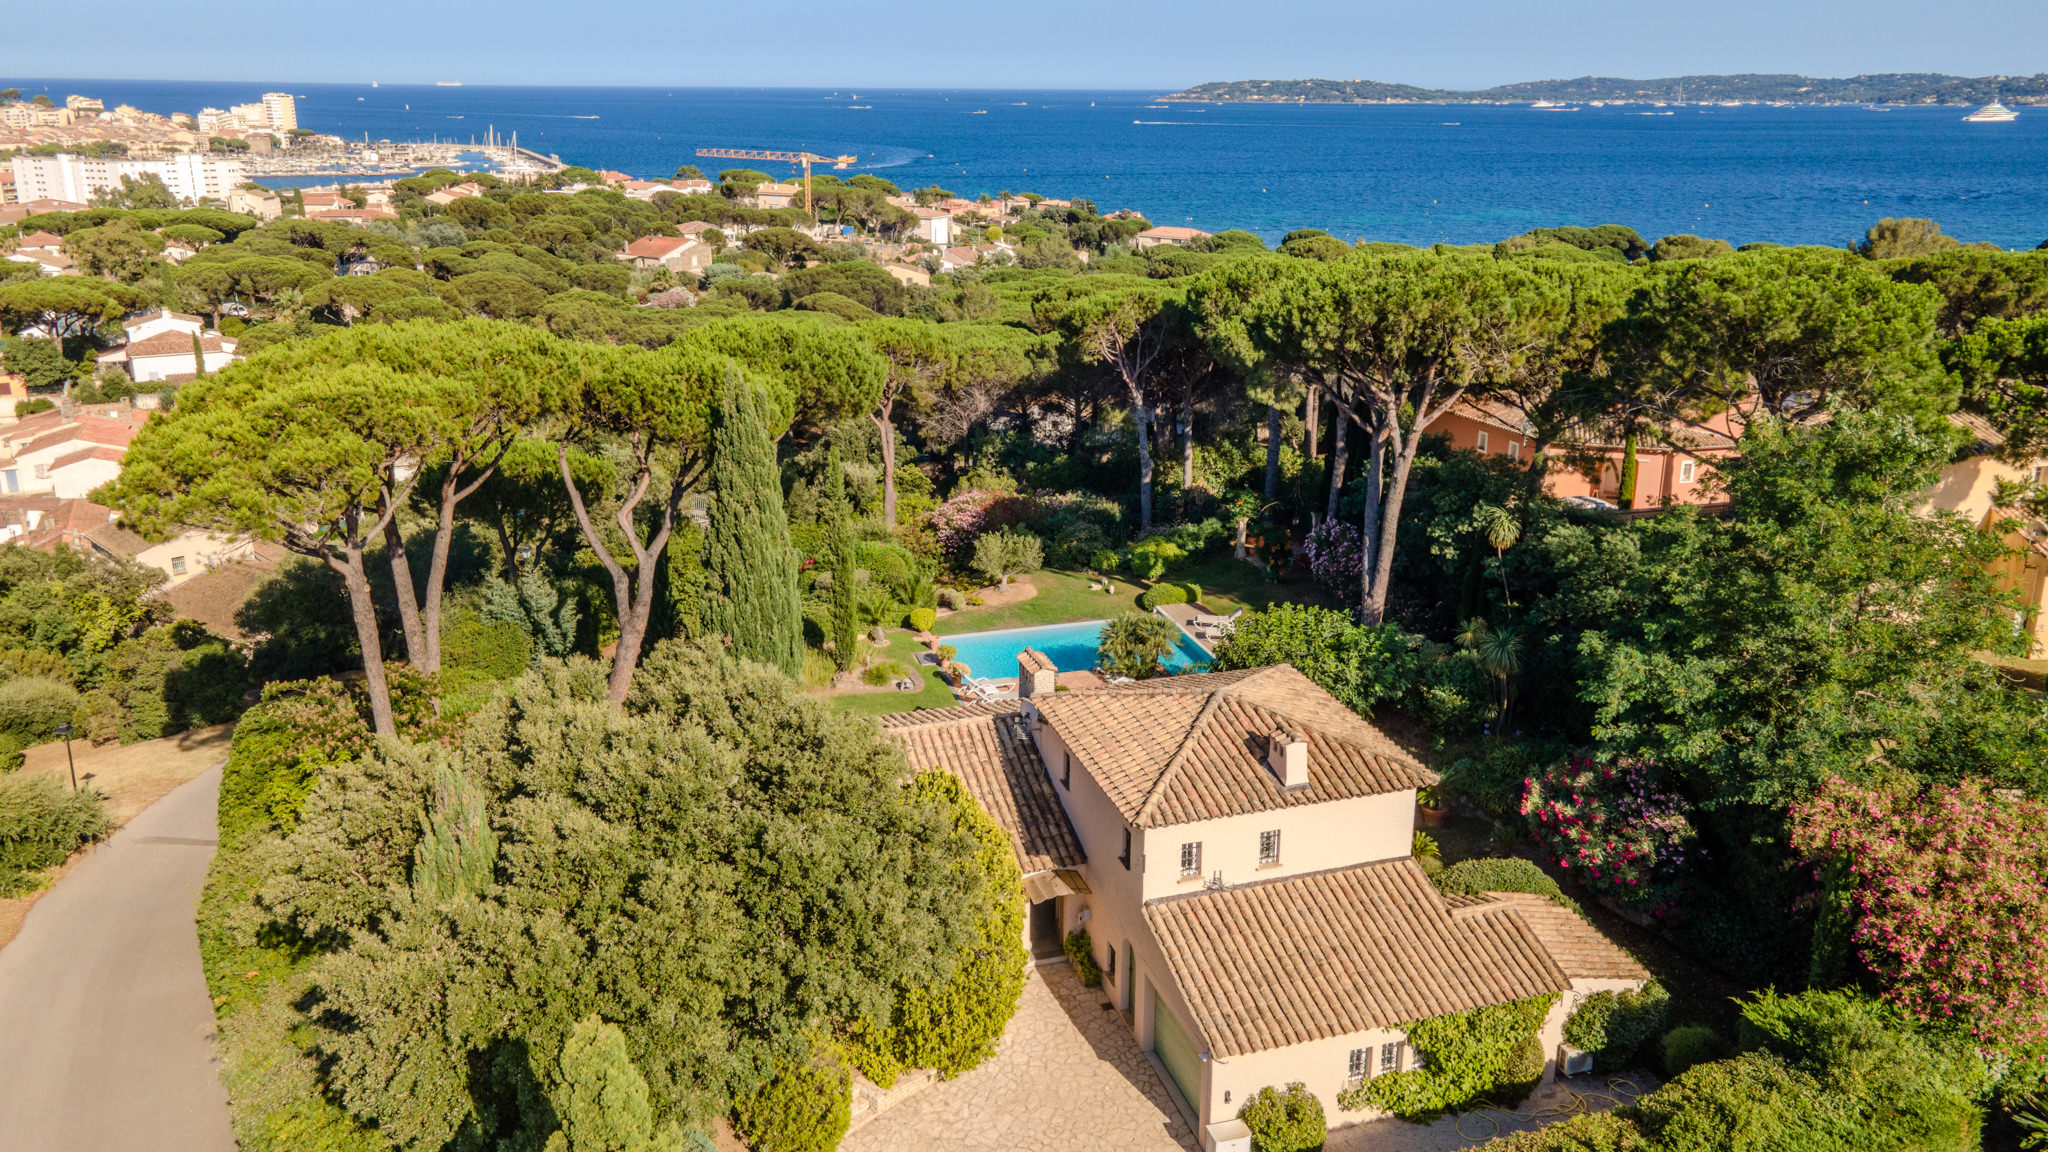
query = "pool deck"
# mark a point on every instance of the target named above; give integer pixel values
(1184, 615)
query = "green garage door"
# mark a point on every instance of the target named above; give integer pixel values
(1177, 1052)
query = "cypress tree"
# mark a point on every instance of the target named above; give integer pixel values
(458, 851)
(1628, 471)
(845, 597)
(750, 593)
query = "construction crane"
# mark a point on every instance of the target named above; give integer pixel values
(804, 158)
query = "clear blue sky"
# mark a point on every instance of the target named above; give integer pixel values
(1034, 43)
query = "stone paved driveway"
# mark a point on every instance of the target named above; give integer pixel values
(1067, 1077)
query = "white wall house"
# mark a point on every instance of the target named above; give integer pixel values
(935, 225)
(1237, 845)
(189, 176)
(159, 347)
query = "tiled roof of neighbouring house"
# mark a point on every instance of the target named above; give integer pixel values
(1265, 965)
(1578, 948)
(986, 746)
(1185, 748)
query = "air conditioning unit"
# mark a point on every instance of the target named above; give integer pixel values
(1572, 1062)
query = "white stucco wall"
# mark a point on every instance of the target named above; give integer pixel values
(1313, 838)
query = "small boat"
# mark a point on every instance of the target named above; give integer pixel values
(582, 117)
(979, 112)
(447, 83)
(860, 106)
(1992, 113)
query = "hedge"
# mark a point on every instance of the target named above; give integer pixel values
(1507, 874)
(31, 707)
(41, 823)
(1687, 1046)
(1471, 1055)
(922, 619)
(1162, 594)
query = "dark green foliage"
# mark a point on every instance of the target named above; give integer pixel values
(486, 649)
(31, 707)
(1507, 874)
(298, 730)
(1360, 666)
(1470, 1056)
(951, 1022)
(41, 823)
(601, 1102)
(1522, 1073)
(547, 618)
(1598, 1132)
(458, 851)
(1133, 644)
(1081, 954)
(805, 1108)
(1688, 1045)
(1160, 594)
(302, 615)
(170, 678)
(840, 543)
(1286, 1119)
(1618, 1028)
(750, 569)
(714, 868)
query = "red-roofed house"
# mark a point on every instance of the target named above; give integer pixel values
(168, 356)
(49, 523)
(675, 253)
(356, 216)
(39, 242)
(67, 451)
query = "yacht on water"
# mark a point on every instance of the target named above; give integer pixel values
(1992, 113)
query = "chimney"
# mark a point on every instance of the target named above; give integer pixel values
(1036, 674)
(1287, 757)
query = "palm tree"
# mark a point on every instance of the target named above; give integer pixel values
(1502, 530)
(1498, 652)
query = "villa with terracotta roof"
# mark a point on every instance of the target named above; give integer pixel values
(675, 253)
(1237, 846)
(1674, 460)
(1167, 234)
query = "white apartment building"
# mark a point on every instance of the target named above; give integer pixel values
(280, 111)
(189, 176)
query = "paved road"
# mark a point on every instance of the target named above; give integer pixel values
(106, 1034)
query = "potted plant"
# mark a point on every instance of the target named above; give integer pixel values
(1433, 805)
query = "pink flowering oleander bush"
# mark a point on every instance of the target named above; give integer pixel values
(1949, 895)
(961, 520)
(1611, 826)
(1336, 558)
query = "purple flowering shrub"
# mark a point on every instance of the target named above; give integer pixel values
(1611, 826)
(1336, 558)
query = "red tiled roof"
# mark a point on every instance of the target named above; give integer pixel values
(98, 452)
(39, 240)
(113, 433)
(986, 746)
(1173, 232)
(1279, 962)
(656, 247)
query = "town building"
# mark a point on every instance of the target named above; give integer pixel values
(1237, 846)
(263, 204)
(935, 225)
(159, 348)
(776, 195)
(1167, 234)
(1675, 459)
(189, 176)
(675, 253)
(1970, 487)
(280, 111)
(50, 522)
(67, 451)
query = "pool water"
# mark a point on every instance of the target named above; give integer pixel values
(1072, 648)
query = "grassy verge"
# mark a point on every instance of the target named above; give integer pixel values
(935, 694)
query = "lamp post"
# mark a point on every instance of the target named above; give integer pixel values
(64, 730)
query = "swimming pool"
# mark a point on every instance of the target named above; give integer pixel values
(1071, 647)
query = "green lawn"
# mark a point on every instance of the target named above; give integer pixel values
(1229, 584)
(1062, 597)
(935, 695)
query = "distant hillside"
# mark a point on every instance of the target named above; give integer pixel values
(1888, 88)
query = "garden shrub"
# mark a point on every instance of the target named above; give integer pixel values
(1103, 561)
(1504, 874)
(1456, 696)
(41, 823)
(1075, 545)
(953, 1026)
(805, 1108)
(1597, 1132)
(1150, 558)
(1160, 594)
(30, 710)
(36, 662)
(1617, 1027)
(1081, 953)
(1004, 553)
(922, 619)
(1522, 1073)
(1470, 1054)
(1360, 666)
(946, 652)
(1286, 1119)
(952, 599)
(172, 677)
(1688, 1045)
(1194, 593)
(1490, 777)
(1611, 825)
(882, 672)
(480, 649)
(601, 1102)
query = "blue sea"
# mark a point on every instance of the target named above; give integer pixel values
(1417, 174)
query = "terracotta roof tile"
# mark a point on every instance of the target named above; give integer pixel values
(1578, 948)
(1333, 953)
(985, 745)
(1185, 748)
